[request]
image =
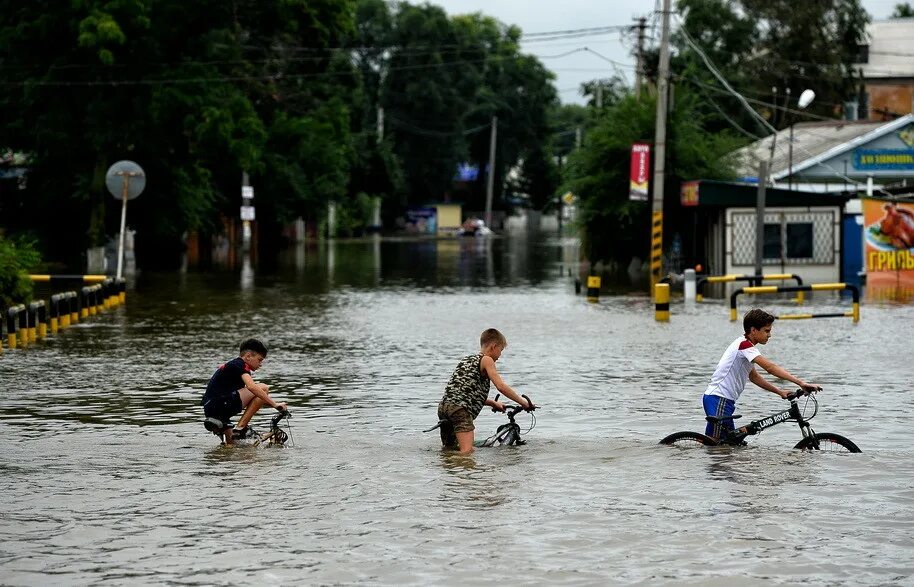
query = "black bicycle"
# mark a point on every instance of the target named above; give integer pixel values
(274, 436)
(826, 441)
(509, 433)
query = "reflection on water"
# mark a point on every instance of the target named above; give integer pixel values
(108, 477)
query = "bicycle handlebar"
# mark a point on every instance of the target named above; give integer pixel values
(517, 408)
(279, 416)
(801, 392)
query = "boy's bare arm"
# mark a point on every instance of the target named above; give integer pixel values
(258, 390)
(488, 365)
(757, 379)
(782, 373)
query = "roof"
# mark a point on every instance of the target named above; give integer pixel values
(813, 142)
(890, 49)
(742, 195)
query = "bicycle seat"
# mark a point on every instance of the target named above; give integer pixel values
(216, 426)
(721, 418)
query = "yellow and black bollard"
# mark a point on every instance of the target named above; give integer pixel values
(122, 290)
(662, 302)
(38, 320)
(84, 295)
(593, 288)
(54, 313)
(73, 306)
(12, 325)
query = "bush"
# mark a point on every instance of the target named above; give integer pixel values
(17, 258)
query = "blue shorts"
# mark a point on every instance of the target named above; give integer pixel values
(224, 407)
(718, 406)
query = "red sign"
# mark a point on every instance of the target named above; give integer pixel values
(688, 193)
(641, 166)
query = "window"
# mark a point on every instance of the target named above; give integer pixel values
(799, 240)
(771, 248)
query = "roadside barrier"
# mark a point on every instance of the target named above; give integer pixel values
(14, 317)
(593, 288)
(764, 289)
(662, 302)
(28, 323)
(754, 280)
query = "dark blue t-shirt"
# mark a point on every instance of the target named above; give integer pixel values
(226, 379)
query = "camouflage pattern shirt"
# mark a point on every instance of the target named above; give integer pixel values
(468, 387)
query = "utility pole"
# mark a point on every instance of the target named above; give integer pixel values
(639, 56)
(490, 178)
(760, 218)
(660, 149)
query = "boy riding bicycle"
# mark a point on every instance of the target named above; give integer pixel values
(735, 369)
(232, 389)
(468, 391)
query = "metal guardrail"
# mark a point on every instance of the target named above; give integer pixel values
(28, 323)
(765, 289)
(753, 280)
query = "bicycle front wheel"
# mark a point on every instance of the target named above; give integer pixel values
(688, 439)
(827, 441)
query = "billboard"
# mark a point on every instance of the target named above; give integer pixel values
(640, 168)
(888, 233)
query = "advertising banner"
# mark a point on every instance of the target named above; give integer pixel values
(688, 193)
(888, 233)
(640, 168)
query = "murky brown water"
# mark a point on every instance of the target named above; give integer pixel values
(108, 477)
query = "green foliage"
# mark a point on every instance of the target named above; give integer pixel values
(763, 44)
(903, 10)
(598, 174)
(17, 258)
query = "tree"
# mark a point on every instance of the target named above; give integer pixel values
(761, 44)
(196, 93)
(598, 174)
(903, 10)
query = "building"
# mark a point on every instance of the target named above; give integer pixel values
(887, 68)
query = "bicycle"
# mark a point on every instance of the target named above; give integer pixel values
(825, 441)
(275, 436)
(508, 434)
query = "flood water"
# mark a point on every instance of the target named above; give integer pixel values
(108, 477)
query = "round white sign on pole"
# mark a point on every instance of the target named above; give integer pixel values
(125, 176)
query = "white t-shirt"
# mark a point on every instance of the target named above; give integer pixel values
(732, 373)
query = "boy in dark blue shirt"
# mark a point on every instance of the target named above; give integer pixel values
(232, 389)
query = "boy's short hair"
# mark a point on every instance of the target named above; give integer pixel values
(757, 319)
(492, 336)
(255, 346)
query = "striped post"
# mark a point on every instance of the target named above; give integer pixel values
(593, 288)
(656, 246)
(12, 324)
(662, 302)
(74, 306)
(38, 320)
(764, 289)
(54, 313)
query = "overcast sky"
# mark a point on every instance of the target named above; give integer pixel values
(614, 49)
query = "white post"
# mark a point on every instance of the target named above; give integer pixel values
(490, 179)
(689, 286)
(120, 248)
(331, 220)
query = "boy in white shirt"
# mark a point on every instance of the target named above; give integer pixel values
(736, 368)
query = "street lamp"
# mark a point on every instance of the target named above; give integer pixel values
(805, 100)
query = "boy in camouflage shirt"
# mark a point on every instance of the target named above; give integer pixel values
(468, 391)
